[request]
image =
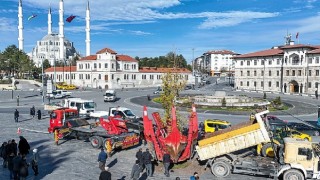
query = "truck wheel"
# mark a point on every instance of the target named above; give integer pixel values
(293, 174)
(221, 169)
(267, 150)
(96, 141)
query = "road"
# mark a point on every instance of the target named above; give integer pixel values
(83, 157)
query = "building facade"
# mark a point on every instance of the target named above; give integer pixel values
(48, 48)
(288, 69)
(219, 61)
(108, 70)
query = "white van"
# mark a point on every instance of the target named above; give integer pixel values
(110, 95)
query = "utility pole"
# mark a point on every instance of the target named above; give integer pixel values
(193, 61)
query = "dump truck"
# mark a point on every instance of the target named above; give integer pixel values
(228, 151)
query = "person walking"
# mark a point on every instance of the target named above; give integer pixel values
(140, 159)
(102, 158)
(39, 114)
(135, 172)
(147, 161)
(16, 166)
(32, 112)
(166, 163)
(23, 171)
(16, 115)
(34, 162)
(105, 174)
(23, 146)
(3, 154)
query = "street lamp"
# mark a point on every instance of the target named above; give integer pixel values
(42, 81)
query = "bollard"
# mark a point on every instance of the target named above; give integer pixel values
(18, 100)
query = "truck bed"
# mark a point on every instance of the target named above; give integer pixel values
(238, 137)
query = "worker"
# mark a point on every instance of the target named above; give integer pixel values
(140, 159)
(252, 117)
(147, 160)
(102, 158)
(32, 111)
(34, 162)
(166, 163)
(135, 172)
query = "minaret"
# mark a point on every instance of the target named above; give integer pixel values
(61, 31)
(20, 26)
(88, 30)
(49, 21)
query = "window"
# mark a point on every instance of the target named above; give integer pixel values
(317, 72)
(151, 76)
(270, 62)
(112, 76)
(248, 83)
(241, 63)
(248, 63)
(310, 72)
(269, 83)
(278, 61)
(277, 84)
(241, 73)
(310, 60)
(248, 73)
(106, 65)
(309, 84)
(99, 65)
(255, 62)
(278, 73)
(262, 73)
(99, 76)
(261, 83)
(293, 73)
(287, 73)
(262, 62)
(112, 66)
(95, 66)
(255, 73)
(125, 76)
(317, 60)
(269, 73)
(299, 72)
(255, 84)
(241, 83)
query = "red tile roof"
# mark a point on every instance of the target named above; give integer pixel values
(125, 58)
(316, 51)
(163, 70)
(104, 50)
(269, 52)
(91, 57)
(221, 52)
(61, 69)
(297, 46)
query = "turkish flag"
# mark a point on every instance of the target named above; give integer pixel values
(70, 18)
(297, 35)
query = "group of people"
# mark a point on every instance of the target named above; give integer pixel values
(15, 158)
(32, 114)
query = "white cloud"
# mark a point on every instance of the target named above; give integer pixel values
(146, 11)
(7, 24)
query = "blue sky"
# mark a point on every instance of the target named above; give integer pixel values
(150, 28)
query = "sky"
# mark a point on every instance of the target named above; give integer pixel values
(152, 28)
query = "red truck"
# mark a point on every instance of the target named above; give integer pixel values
(109, 132)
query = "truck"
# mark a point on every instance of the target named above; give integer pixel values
(58, 94)
(228, 151)
(110, 133)
(85, 107)
(110, 96)
(124, 112)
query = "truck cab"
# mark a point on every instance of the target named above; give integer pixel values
(85, 107)
(110, 95)
(59, 116)
(123, 112)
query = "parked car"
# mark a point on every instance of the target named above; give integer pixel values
(305, 128)
(158, 91)
(188, 86)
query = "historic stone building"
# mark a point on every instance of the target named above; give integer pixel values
(108, 70)
(289, 69)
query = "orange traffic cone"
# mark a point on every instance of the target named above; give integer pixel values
(19, 131)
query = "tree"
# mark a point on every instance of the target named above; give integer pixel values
(172, 84)
(46, 64)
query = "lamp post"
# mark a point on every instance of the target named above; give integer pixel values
(42, 81)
